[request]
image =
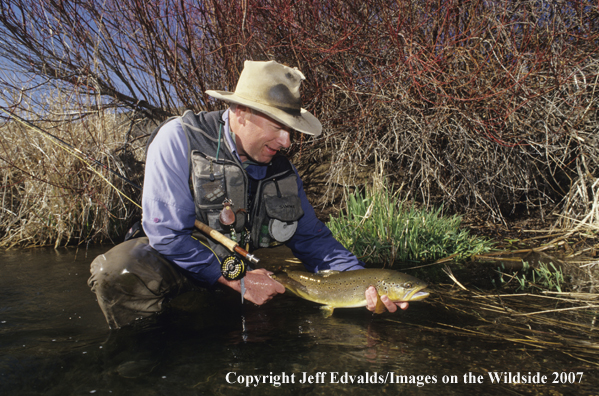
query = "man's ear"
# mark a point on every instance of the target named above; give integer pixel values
(242, 113)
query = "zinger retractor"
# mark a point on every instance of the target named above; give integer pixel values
(233, 268)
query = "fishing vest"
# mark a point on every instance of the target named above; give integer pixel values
(266, 210)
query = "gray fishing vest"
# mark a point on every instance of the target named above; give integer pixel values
(267, 210)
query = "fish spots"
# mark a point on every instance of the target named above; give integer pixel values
(346, 289)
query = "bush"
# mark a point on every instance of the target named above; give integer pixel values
(487, 105)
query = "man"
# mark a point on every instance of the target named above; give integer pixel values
(222, 165)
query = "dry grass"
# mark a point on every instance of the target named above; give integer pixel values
(563, 321)
(53, 195)
(560, 322)
(489, 107)
(579, 213)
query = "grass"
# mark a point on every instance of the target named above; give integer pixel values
(54, 196)
(541, 278)
(559, 323)
(382, 229)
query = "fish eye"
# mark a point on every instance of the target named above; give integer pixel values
(407, 285)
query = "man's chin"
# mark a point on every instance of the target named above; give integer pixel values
(265, 160)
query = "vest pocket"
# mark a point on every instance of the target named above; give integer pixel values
(211, 194)
(208, 182)
(277, 211)
(285, 209)
(211, 183)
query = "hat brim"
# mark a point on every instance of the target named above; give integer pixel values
(305, 122)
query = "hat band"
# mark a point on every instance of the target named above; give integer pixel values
(291, 111)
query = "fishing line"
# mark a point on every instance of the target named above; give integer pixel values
(75, 152)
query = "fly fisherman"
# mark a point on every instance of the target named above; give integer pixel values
(224, 169)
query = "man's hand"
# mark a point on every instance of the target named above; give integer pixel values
(259, 286)
(372, 297)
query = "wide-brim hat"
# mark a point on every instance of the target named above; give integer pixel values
(272, 89)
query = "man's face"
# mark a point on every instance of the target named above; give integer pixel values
(259, 137)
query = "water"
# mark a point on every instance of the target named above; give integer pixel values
(55, 341)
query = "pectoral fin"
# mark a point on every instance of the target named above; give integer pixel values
(380, 307)
(327, 310)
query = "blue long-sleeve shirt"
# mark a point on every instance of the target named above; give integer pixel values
(169, 213)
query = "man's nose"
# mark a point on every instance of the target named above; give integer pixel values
(284, 139)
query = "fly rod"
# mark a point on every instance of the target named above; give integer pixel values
(226, 242)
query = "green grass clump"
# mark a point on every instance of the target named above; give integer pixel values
(380, 229)
(542, 278)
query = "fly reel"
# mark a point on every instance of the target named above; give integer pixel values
(233, 268)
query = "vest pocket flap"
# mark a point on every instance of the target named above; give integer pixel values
(284, 209)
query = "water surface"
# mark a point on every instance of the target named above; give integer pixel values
(54, 341)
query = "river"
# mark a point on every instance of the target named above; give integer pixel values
(54, 341)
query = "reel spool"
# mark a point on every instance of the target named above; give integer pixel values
(233, 268)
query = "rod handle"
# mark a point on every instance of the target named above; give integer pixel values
(226, 242)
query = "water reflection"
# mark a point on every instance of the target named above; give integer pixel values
(55, 341)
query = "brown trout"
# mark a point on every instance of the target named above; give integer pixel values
(336, 289)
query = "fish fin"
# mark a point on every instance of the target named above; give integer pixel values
(380, 307)
(327, 310)
(325, 273)
(290, 284)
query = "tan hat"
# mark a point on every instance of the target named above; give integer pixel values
(272, 89)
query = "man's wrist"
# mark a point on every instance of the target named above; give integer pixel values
(235, 285)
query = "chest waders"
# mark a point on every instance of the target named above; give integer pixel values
(133, 281)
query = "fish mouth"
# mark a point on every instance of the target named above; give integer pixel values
(416, 294)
